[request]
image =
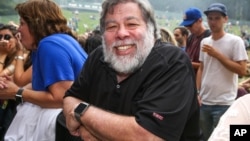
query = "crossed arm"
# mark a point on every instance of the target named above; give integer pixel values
(98, 124)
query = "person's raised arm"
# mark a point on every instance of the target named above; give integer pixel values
(21, 77)
(239, 67)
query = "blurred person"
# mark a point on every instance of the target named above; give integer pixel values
(127, 89)
(244, 38)
(96, 31)
(223, 57)
(181, 35)
(23, 70)
(23, 66)
(13, 23)
(237, 114)
(8, 49)
(167, 36)
(193, 21)
(81, 38)
(92, 42)
(57, 59)
(243, 88)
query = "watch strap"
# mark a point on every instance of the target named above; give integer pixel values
(78, 117)
(19, 96)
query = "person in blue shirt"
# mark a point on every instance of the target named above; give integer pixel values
(57, 59)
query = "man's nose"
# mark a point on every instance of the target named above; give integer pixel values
(122, 32)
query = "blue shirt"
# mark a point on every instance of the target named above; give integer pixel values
(58, 57)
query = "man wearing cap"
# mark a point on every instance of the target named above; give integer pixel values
(192, 20)
(223, 57)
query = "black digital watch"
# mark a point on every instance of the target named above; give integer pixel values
(80, 110)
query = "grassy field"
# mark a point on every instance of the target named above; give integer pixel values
(90, 20)
(87, 20)
(6, 19)
(84, 19)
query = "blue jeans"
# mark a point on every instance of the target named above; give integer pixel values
(209, 118)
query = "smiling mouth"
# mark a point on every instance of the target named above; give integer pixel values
(125, 47)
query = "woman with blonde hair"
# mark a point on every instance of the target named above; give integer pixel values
(167, 36)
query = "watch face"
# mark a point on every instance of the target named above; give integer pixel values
(81, 107)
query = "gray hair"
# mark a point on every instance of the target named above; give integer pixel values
(146, 9)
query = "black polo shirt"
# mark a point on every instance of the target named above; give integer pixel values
(161, 94)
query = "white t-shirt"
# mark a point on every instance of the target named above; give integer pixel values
(238, 113)
(218, 84)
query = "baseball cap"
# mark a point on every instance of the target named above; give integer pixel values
(217, 7)
(191, 15)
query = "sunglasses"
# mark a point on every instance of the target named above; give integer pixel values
(5, 36)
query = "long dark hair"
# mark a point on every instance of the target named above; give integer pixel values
(13, 31)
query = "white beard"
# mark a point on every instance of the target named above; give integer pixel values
(129, 63)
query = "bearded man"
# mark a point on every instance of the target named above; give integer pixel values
(134, 87)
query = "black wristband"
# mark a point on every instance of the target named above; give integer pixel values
(19, 96)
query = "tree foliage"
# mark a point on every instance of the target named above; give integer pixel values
(7, 7)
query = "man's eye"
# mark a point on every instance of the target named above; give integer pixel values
(132, 24)
(111, 27)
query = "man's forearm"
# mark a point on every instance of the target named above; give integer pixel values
(105, 125)
(109, 126)
(69, 104)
